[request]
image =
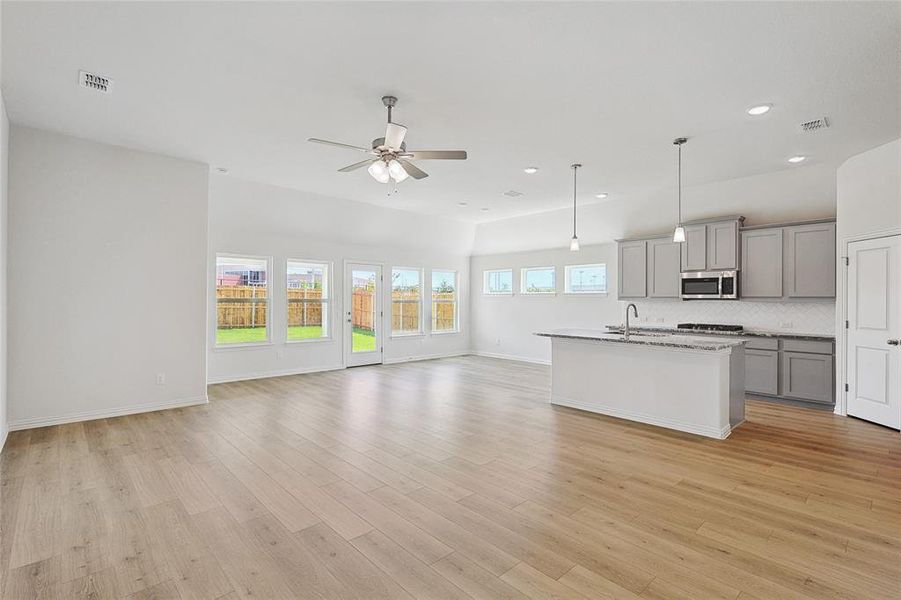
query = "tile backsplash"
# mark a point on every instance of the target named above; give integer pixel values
(798, 317)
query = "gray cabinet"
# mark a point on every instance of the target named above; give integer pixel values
(788, 261)
(810, 261)
(632, 274)
(664, 259)
(722, 246)
(762, 371)
(761, 262)
(808, 376)
(694, 248)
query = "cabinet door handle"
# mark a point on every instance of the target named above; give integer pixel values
(893, 342)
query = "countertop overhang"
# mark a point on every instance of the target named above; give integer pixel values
(664, 340)
(731, 334)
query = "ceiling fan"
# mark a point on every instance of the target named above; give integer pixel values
(392, 159)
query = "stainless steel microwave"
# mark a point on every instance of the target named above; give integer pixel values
(709, 285)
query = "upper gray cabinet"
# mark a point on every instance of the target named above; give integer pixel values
(810, 261)
(791, 261)
(694, 248)
(664, 259)
(761, 262)
(711, 246)
(632, 269)
(722, 246)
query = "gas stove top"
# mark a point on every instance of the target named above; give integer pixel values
(709, 327)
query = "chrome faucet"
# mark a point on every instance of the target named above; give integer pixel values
(635, 308)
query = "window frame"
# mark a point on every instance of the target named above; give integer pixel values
(566, 280)
(403, 334)
(456, 302)
(485, 289)
(327, 302)
(522, 281)
(239, 345)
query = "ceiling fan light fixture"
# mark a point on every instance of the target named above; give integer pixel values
(397, 171)
(379, 171)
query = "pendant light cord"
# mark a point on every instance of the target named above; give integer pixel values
(680, 185)
(575, 169)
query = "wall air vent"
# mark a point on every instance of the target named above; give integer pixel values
(95, 82)
(512, 193)
(815, 124)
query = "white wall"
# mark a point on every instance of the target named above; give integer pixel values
(263, 220)
(504, 325)
(107, 252)
(806, 192)
(868, 205)
(4, 181)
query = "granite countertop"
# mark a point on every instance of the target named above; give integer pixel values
(746, 333)
(646, 339)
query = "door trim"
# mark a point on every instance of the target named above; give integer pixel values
(348, 303)
(841, 346)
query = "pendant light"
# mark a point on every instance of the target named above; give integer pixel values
(679, 233)
(574, 243)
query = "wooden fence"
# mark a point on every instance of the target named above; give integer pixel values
(245, 306)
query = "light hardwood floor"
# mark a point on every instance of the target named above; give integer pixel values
(451, 478)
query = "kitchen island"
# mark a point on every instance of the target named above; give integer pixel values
(679, 382)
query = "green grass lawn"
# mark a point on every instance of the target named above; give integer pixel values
(364, 340)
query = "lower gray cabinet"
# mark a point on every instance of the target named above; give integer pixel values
(762, 372)
(808, 376)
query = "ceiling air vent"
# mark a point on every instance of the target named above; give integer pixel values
(95, 82)
(512, 193)
(815, 124)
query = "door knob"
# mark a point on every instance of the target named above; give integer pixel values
(893, 342)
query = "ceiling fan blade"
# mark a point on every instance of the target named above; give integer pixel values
(340, 145)
(412, 170)
(356, 166)
(394, 135)
(436, 154)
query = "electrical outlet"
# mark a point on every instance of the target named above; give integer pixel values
(661, 320)
(161, 379)
(497, 342)
(786, 324)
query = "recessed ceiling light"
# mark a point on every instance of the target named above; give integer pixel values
(462, 203)
(531, 170)
(760, 109)
(602, 195)
(483, 209)
(797, 159)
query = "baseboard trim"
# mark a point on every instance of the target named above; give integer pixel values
(268, 374)
(711, 432)
(534, 361)
(90, 415)
(394, 361)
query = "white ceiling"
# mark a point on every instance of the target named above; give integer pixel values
(242, 85)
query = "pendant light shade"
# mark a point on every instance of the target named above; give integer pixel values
(574, 242)
(679, 233)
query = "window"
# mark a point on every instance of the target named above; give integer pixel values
(242, 300)
(308, 296)
(539, 280)
(406, 301)
(444, 302)
(498, 282)
(585, 279)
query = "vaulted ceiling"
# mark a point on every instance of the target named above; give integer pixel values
(242, 85)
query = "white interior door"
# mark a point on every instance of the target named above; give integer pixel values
(362, 314)
(874, 330)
